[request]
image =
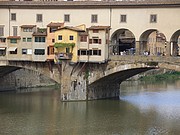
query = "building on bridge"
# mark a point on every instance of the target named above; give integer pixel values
(79, 44)
(131, 25)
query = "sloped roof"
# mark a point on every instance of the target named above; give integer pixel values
(71, 28)
(28, 26)
(14, 37)
(99, 27)
(55, 24)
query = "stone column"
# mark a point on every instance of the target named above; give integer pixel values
(137, 47)
(168, 48)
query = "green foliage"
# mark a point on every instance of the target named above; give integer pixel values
(86, 74)
(57, 45)
(162, 77)
(42, 30)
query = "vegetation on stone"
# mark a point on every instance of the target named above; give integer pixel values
(57, 45)
(173, 75)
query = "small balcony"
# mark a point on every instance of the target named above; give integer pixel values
(64, 56)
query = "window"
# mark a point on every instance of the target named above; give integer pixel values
(60, 37)
(39, 52)
(94, 18)
(123, 18)
(66, 18)
(24, 39)
(82, 52)
(53, 40)
(50, 50)
(71, 38)
(29, 39)
(14, 41)
(27, 30)
(67, 50)
(40, 39)
(39, 18)
(153, 18)
(95, 31)
(3, 52)
(96, 52)
(24, 51)
(29, 51)
(95, 41)
(90, 52)
(13, 52)
(83, 39)
(13, 16)
(53, 29)
(14, 30)
(1, 30)
(2, 40)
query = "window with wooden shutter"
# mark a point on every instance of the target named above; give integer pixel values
(90, 41)
(99, 41)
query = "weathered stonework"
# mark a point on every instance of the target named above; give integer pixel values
(88, 81)
(24, 78)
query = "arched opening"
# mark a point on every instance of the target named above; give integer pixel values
(153, 42)
(175, 44)
(13, 78)
(122, 42)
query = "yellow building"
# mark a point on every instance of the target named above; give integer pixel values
(66, 43)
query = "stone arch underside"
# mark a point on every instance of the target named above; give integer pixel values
(13, 78)
(153, 42)
(44, 68)
(109, 86)
(122, 42)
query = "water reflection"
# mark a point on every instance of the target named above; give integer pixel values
(143, 110)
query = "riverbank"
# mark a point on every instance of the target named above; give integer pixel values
(168, 76)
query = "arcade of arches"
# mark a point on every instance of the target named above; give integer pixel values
(151, 42)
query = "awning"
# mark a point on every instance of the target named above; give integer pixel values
(2, 48)
(12, 49)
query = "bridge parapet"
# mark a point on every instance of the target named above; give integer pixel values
(3, 61)
(143, 59)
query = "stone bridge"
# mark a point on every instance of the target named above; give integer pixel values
(86, 81)
(48, 69)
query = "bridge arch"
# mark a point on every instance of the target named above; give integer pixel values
(175, 43)
(13, 78)
(51, 71)
(122, 42)
(108, 85)
(153, 42)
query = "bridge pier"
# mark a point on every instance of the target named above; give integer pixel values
(73, 82)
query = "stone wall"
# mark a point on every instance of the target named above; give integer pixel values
(24, 78)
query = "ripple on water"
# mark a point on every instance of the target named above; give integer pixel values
(164, 103)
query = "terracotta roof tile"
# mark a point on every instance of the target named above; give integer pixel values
(71, 28)
(57, 24)
(14, 37)
(99, 27)
(28, 26)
